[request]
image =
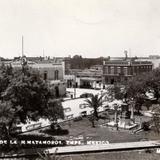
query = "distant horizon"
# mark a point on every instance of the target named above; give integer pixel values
(73, 55)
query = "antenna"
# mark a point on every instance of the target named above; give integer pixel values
(22, 47)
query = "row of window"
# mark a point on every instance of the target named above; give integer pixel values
(56, 75)
(126, 70)
(84, 113)
(81, 106)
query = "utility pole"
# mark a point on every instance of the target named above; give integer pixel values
(101, 96)
(23, 59)
(22, 47)
(132, 105)
(116, 116)
(74, 85)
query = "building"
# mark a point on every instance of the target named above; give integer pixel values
(83, 72)
(119, 71)
(77, 62)
(77, 107)
(89, 78)
(154, 56)
(52, 73)
(85, 78)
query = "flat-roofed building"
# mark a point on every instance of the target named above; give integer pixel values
(119, 71)
(51, 72)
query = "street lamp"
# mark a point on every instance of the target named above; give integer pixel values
(101, 96)
(74, 85)
(116, 115)
(132, 110)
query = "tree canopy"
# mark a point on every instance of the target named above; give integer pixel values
(95, 101)
(29, 93)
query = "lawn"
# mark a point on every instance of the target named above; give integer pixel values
(83, 128)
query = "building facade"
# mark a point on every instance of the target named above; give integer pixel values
(120, 71)
(86, 78)
(52, 73)
(90, 78)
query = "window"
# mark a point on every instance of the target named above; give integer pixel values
(45, 75)
(84, 113)
(82, 106)
(92, 111)
(67, 109)
(135, 69)
(112, 70)
(106, 70)
(109, 70)
(125, 70)
(118, 70)
(56, 75)
(115, 70)
(122, 71)
(69, 116)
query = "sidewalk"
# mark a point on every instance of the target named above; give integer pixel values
(105, 147)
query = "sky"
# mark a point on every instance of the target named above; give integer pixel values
(91, 28)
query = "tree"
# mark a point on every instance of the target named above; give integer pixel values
(95, 101)
(29, 92)
(24, 95)
(8, 118)
(32, 93)
(153, 83)
(92, 119)
(156, 119)
(136, 91)
(77, 62)
(6, 74)
(54, 110)
(115, 92)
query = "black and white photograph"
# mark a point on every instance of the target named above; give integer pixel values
(79, 79)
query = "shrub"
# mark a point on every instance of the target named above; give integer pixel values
(56, 131)
(145, 126)
(78, 119)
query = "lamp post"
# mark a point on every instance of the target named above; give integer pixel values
(101, 96)
(132, 110)
(74, 85)
(116, 116)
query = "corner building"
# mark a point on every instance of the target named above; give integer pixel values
(120, 71)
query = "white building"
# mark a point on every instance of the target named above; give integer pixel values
(50, 72)
(77, 107)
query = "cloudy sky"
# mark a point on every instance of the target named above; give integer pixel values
(92, 28)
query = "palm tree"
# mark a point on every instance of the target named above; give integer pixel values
(95, 101)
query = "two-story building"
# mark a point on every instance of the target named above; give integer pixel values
(52, 73)
(120, 71)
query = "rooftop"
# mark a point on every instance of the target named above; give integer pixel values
(128, 62)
